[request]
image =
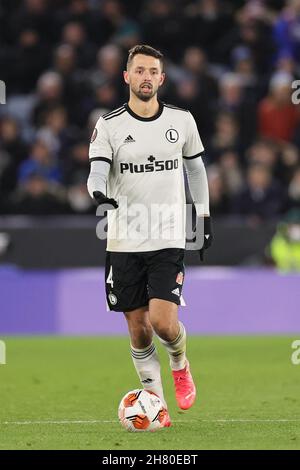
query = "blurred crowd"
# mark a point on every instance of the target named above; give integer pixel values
(233, 64)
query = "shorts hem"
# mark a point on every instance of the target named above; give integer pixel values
(128, 309)
(162, 297)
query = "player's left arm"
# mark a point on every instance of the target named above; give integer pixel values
(197, 181)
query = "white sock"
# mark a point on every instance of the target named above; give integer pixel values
(147, 365)
(177, 349)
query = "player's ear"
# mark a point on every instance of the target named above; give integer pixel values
(162, 78)
(125, 75)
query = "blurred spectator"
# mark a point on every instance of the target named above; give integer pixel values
(254, 30)
(263, 151)
(76, 11)
(10, 139)
(79, 199)
(49, 94)
(74, 34)
(110, 64)
(243, 66)
(288, 162)
(76, 91)
(56, 132)
(294, 190)
(188, 96)
(226, 136)
(41, 162)
(76, 165)
(36, 15)
(65, 60)
(195, 64)
(285, 245)
(286, 63)
(231, 172)
(261, 198)
(36, 196)
(233, 99)
(286, 30)
(105, 96)
(162, 27)
(26, 61)
(207, 22)
(13, 152)
(219, 200)
(126, 31)
(277, 115)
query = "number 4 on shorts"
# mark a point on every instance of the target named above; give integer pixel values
(109, 279)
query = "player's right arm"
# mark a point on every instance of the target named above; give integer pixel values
(100, 157)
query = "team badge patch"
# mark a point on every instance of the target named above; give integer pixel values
(172, 135)
(179, 278)
(112, 298)
(94, 135)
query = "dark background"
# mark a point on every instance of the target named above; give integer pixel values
(230, 63)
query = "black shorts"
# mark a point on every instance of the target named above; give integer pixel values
(132, 279)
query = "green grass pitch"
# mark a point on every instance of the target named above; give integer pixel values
(63, 393)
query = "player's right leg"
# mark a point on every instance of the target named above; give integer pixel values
(144, 354)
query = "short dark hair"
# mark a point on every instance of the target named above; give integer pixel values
(145, 50)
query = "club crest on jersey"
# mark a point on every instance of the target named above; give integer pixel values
(94, 135)
(172, 135)
(179, 278)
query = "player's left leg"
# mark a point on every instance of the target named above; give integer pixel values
(163, 315)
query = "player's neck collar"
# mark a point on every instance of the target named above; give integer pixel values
(140, 118)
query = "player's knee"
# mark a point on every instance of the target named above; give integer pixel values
(166, 331)
(140, 332)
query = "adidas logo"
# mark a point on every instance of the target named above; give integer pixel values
(176, 292)
(128, 139)
(147, 381)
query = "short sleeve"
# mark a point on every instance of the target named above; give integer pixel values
(193, 146)
(100, 148)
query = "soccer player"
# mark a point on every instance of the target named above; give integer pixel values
(137, 154)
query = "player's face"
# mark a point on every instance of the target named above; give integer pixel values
(144, 76)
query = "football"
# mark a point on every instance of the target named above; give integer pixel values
(141, 410)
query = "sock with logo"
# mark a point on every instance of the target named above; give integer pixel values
(146, 363)
(177, 349)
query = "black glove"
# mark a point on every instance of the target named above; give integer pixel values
(208, 237)
(101, 199)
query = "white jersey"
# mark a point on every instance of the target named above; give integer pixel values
(146, 175)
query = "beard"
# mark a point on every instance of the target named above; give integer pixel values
(142, 95)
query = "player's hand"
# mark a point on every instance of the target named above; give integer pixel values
(208, 236)
(101, 199)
